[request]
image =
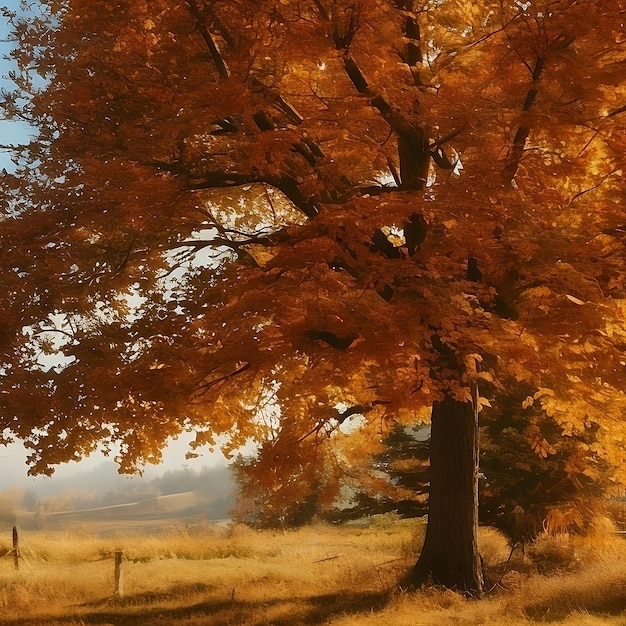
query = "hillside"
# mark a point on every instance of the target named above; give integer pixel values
(115, 502)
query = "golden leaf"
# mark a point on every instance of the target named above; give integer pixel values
(483, 402)
(574, 299)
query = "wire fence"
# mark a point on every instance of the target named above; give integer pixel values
(25, 559)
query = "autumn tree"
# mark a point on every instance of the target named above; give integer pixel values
(305, 208)
(284, 485)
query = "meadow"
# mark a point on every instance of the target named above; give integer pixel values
(228, 574)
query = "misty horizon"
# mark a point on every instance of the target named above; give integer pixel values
(14, 468)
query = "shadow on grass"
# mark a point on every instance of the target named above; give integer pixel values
(611, 601)
(153, 610)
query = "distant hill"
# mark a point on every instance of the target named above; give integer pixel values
(153, 514)
(104, 496)
(153, 508)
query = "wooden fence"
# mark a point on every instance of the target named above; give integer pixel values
(118, 560)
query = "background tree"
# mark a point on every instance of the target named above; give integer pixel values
(557, 480)
(284, 491)
(394, 479)
(552, 478)
(356, 204)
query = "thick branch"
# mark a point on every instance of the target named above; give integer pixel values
(355, 75)
(414, 159)
(285, 184)
(288, 109)
(213, 180)
(263, 121)
(519, 141)
(340, 417)
(225, 126)
(412, 30)
(413, 151)
(216, 55)
(274, 98)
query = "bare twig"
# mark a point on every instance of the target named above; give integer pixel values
(329, 558)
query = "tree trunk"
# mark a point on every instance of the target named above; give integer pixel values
(449, 555)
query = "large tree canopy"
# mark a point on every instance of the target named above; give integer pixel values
(258, 219)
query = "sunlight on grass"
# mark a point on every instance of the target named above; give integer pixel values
(335, 575)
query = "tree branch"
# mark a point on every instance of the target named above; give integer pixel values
(216, 55)
(617, 111)
(596, 186)
(341, 417)
(519, 141)
(213, 180)
(203, 387)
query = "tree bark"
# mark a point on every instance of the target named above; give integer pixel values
(449, 555)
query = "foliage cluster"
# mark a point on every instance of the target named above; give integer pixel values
(552, 489)
(175, 138)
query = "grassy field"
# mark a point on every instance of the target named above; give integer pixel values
(339, 576)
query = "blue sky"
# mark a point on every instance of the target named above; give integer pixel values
(10, 132)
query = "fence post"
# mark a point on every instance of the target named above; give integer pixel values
(16, 548)
(119, 574)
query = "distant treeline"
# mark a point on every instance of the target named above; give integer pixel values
(103, 486)
(214, 483)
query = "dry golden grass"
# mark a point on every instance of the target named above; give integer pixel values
(339, 576)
